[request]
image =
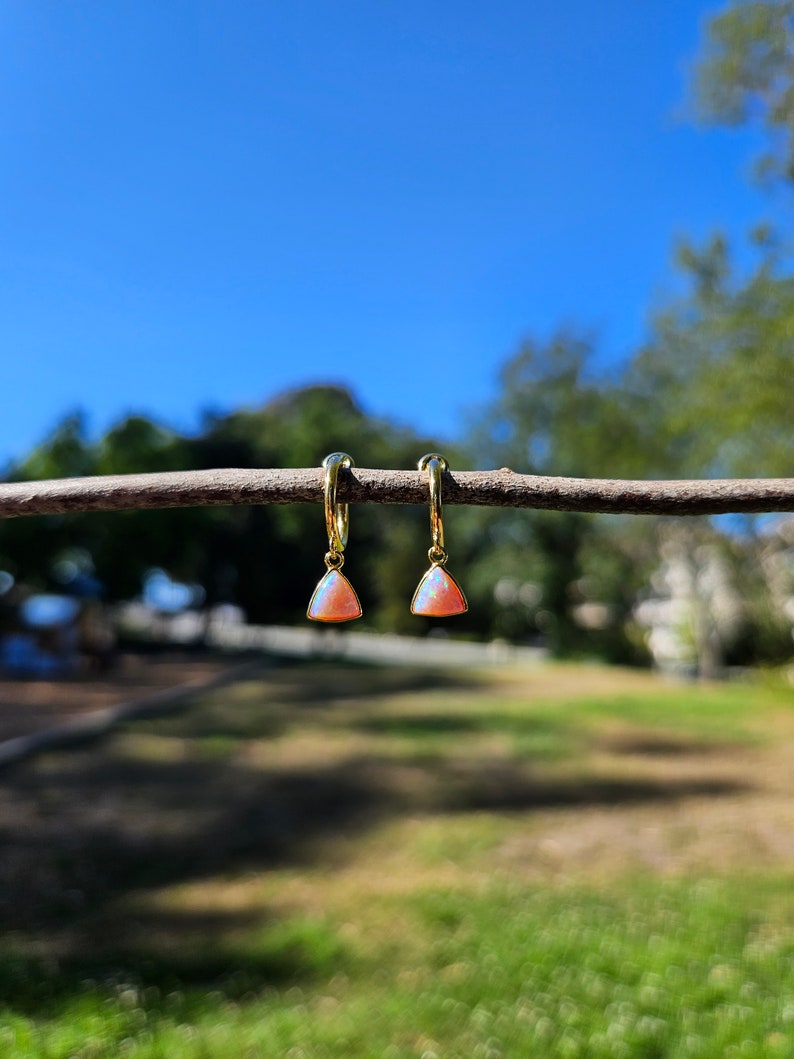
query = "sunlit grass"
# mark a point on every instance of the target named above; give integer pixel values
(328, 862)
(652, 970)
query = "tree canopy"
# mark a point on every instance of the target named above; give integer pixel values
(745, 75)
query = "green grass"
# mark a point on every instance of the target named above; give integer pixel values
(328, 862)
(670, 970)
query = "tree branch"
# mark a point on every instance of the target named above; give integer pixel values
(501, 488)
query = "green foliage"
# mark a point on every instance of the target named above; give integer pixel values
(559, 413)
(719, 366)
(65, 454)
(746, 73)
(267, 559)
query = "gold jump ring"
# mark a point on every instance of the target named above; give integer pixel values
(337, 516)
(435, 464)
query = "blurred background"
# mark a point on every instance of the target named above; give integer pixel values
(550, 237)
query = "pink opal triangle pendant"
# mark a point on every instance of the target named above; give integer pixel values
(334, 599)
(438, 595)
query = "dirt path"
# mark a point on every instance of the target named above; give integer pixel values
(30, 705)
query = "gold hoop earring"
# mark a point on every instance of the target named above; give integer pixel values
(334, 598)
(438, 594)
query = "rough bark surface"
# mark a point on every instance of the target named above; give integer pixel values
(502, 488)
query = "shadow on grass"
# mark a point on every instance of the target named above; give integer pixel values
(430, 724)
(173, 982)
(87, 830)
(320, 688)
(84, 835)
(321, 684)
(650, 744)
(512, 789)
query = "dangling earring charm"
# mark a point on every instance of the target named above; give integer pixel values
(438, 594)
(334, 599)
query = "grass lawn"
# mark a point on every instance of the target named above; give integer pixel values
(331, 860)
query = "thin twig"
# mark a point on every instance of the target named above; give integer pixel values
(501, 488)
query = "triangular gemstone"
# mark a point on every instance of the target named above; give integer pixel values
(438, 595)
(334, 599)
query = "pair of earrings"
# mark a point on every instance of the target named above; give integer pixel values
(437, 594)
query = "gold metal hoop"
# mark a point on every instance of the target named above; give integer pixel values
(435, 464)
(337, 516)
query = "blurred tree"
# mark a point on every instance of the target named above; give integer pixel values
(277, 552)
(746, 75)
(65, 454)
(719, 369)
(265, 558)
(721, 355)
(559, 413)
(122, 545)
(127, 544)
(137, 445)
(30, 547)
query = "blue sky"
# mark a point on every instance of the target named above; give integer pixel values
(203, 204)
